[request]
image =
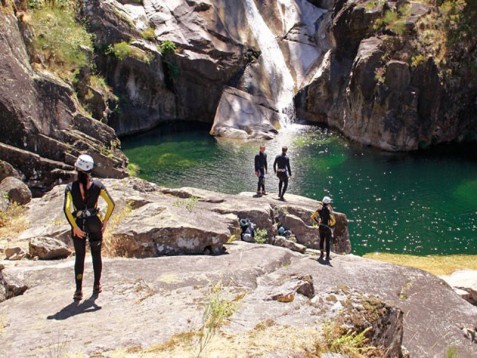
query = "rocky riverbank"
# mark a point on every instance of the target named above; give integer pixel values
(155, 304)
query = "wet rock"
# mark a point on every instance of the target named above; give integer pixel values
(47, 248)
(16, 190)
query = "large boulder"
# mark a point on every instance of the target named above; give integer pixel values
(16, 190)
(158, 229)
(7, 170)
(47, 248)
(241, 115)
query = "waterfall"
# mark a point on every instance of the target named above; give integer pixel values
(283, 85)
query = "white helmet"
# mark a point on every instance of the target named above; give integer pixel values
(326, 200)
(84, 163)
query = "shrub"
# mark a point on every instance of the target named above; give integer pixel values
(167, 47)
(217, 311)
(380, 74)
(123, 50)
(261, 236)
(148, 34)
(417, 60)
(133, 169)
(394, 20)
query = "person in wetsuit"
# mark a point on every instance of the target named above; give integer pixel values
(261, 168)
(81, 210)
(281, 167)
(323, 217)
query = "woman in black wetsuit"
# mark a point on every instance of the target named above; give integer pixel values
(325, 219)
(82, 213)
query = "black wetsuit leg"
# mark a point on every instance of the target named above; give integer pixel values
(282, 185)
(261, 180)
(97, 261)
(95, 244)
(80, 252)
(325, 237)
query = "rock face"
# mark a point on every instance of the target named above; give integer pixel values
(378, 89)
(41, 128)
(153, 303)
(160, 221)
(259, 50)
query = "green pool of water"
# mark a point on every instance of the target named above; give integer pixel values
(420, 204)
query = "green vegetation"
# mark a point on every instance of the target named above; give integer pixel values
(148, 34)
(261, 236)
(380, 74)
(133, 169)
(167, 47)
(171, 70)
(216, 313)
(59, 41)
(437, 265)
(394, 20)
(123, 50)
(348, 342)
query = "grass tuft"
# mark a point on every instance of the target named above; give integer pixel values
(111, 244)
(13, 220)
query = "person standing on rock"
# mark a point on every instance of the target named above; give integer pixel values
(261, 168)
(82, 213)
(325, 219)
(281, 167)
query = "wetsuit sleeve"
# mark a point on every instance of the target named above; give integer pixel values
(275, 164)
(105, 195)
(67, 208)
(257, 159)
(288, 166)
(314, 216)
(266, 164)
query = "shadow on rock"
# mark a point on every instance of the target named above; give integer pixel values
(76, 308)
(324, 261)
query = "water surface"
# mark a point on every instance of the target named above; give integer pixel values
(399, 203)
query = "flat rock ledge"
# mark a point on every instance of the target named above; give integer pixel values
(153, 221)
(283, 302)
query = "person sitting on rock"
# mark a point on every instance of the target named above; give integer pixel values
(281, 167)
(82, 213)
(261, 169)
(325, 219)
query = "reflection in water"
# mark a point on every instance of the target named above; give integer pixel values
(402, 203)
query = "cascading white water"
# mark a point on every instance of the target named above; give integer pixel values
(282, 83)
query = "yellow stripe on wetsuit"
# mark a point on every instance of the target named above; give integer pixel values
(69, 208)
